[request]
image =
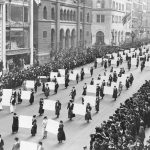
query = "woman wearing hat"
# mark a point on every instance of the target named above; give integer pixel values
(61, 134)
(70, 109)
(88, 112)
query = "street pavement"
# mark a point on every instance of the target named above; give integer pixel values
(78, 130)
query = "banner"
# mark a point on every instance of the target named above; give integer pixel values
(108, 90)
(29, 84)
(62, 72)
(79, 109)
(25, 95)
(52, 126)
(91, 88)
(99, 60)
(61, 80)
(90, 99)
(6, 97)
(24, 145)
(72, 77)
(25, 122)
(49, 105)
(87, 70)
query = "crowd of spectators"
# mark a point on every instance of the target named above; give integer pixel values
(61, 60)
(125, 129)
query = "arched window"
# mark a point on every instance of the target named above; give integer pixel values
(88, 17)
(81, 17)
(68, 15)
(61, 14)
(100, 3)
(74, 16)
(71, 15)
(53, 14)
(65, 15)
(45, 13)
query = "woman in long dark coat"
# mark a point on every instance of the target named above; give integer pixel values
(15, 124)
(61, 134)
(43, 87)
(115, 93)
(102, 92)
(57, 108)
(82, 74)
(34, 128)
(47, 90)
(88, 112)
(70, 109)
(127, 83)
(41, 110)
(84, 89)
(19, 97)
(97, 104)
(131, 78)
(31, 101)
(66, 81)
(56, 87)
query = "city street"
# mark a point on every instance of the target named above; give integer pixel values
(78, 130)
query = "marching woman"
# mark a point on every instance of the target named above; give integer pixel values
(97, 90)
(34, 128)
(88, 113)
(142, 66)
(31, 101)
(131, 78)
(118, 62)
(102, 91)
(115, 76)
(41, 110)
(44, 125)
(99, 77)
(47, 90)
(120, 88)
(95, 63)
(110, 79)
(82, 74)
(77, 78)
(12, 104)
(115, 93)
(66, 81)
(70, 109)
(61, 134)
(129, 65)
(105, 64)
(97, 104)
(92, 81)
(73, 93)
(43, 87)
(19, 97)
(56, 87)
(84, 89)
(91, 71)
(57, 108)
(127, 83)
(15, 124)
(1, 94)
(137, 63)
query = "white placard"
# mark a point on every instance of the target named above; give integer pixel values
(132, 49)
(72, 77)
(79, 109)
(25, 95)
(25, 122)
(98, 82)
(24, 145)
(91, 88)
(49, 105)
(77, 72)
(90, 99)
(113, 62)
(115, 84)
(7, 93)
(87, 70)
(133, 61)
(109, 55)
(108, 90)
(147, 64)
(62, 72)
(52, 126)
(1, 73)
(61, 80)
(51, 85)
(53, 74)
(99, 60)
(29, 84)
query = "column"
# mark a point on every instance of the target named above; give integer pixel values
(4, 37)
(78, 26)
(31, 33)
(57, 25)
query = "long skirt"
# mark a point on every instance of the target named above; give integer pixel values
(61, 136)
(12, 108)
(70, 113)
(88, 116)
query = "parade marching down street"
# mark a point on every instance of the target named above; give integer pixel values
(76, 113)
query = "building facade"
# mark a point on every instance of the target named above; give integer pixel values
(16, 33)
(107, 27)
(61, 24)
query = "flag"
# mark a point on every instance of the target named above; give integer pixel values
(126, 18)
(38, 2)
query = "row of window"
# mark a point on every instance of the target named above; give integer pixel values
(116, 19)
(118, 6)
(66, 15)
(100, 18)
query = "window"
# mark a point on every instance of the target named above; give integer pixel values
(88, 17)
(44, 13)
(119, 19)
(44, 34)
(102, 18)
(100, 3)
(116, 6)
(122, 7)
(98, 18)
(119, 6)
(53, 14)
(103, 4)
(81, 17)
(112, 18)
